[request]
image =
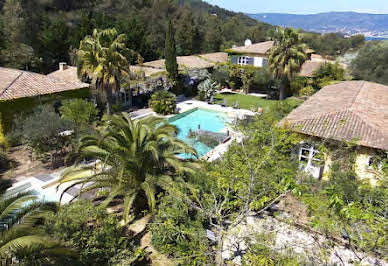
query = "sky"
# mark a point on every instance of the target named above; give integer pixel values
(303, 6)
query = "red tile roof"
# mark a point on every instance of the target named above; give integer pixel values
(16, 84)
(346, 111)
(256, 48)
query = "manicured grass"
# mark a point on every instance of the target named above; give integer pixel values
(250, 102)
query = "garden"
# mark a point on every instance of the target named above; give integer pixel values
(125, 171)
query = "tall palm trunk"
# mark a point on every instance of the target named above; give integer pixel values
(282, 91)
(109, 99)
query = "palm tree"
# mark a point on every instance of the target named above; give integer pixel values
(286, 57)
(136, 158)
(102, 58)
(22, 237)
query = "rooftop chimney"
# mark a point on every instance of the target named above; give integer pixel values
(62, 66)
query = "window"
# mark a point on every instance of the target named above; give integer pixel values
(265, 62)
(243, 60)
(376, 161)
(308, 155)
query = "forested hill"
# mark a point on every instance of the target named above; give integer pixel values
(37, 34)
(344, 22)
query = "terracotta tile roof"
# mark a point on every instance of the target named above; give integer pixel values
(256, 48)
(200, 61)
(16, 84)
(69, 74)
(310, 66)
(148, 71)
(184, 62)
(346, 111)
(215, 57)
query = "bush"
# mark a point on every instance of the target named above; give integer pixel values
(179, 233)
(163, 102)
(306, 91)
(328, 73)
(371, 63)
(79, 111)
(93, 231)
(40, 130)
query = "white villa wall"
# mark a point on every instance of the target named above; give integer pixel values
(258, 61)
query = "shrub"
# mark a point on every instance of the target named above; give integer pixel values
(163, 102)
(306, 91)
(179, 233)
(93, 231)
(40, 130)
(79, 111)
(328, 73)
(297, 83)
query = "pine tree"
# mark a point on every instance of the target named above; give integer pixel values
(170, 52)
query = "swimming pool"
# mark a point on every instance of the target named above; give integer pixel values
(208, 120)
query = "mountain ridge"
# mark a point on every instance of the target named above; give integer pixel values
(348, 23)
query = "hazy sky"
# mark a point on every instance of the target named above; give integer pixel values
(303, 6)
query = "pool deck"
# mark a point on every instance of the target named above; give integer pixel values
(216, 153)
(233, 113)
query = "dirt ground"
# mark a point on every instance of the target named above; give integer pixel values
(24, 165)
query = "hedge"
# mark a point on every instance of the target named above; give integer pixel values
(10, 108)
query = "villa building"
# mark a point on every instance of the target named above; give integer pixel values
(20, 91)
(251, 54)
(351, 111)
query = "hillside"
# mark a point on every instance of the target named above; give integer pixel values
(344, 22)
(37, 34)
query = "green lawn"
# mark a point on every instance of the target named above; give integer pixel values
(250, 102)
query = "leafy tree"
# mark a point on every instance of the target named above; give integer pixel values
(95, 233)
(80, 112)
(185, 34)
(376, 70)
(170, 52)
(329, 73)
(250, 177)
(286, 57)
(332, 44)
(163, 102)
(16, 53)
(135, 158)
(102, 59)
(23, 237)
(221, 74)
(54, 44)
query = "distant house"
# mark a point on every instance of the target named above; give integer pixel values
(21, 90)
(352, 111)
(251, 54)
(191, 62)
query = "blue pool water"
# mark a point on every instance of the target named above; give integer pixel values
(208, 120)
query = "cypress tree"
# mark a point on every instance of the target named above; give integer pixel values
(170, 52)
